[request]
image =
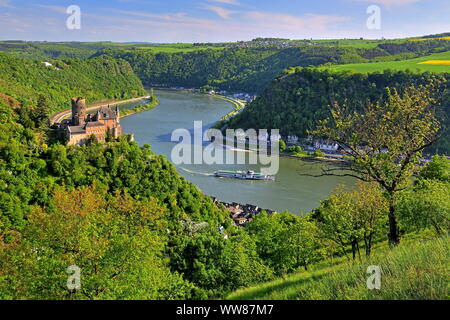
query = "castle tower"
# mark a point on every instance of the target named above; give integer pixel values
(118, 114)
(79, 111)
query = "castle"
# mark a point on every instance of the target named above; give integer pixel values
(82, 126)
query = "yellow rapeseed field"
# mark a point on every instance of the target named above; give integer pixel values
(429, 39)
(436, 62)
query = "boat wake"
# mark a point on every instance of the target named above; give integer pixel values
(197, 173)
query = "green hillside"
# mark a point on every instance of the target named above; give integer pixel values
(251, 68)
(296, 101)
(411, 64)
(416, 270)
(101, 78)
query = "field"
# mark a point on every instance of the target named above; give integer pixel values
(95, 46)
(181, 48)
(358, 43)
(415, 65)
(429, 39)
(414, 270)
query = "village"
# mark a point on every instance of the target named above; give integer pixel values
(242, 214)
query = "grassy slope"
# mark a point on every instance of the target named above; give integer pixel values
(412, 64)
(415, 270)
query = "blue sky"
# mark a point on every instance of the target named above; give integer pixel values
(219, 20)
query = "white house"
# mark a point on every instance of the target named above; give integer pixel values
(263, 136)
(326, 145)
(275, 137)
(293, 139)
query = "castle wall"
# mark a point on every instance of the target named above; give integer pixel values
(77, 139)
(88, 126)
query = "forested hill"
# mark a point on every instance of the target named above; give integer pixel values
(246, 67)
(298, 99)
(252, 69)
(116, 210)
(100, 78)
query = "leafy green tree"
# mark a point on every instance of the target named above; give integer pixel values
(350, 217)
(285, 241)
(116, 244)
(437, 169)
(386, 141)
(218, 265)
(41, 112)
(302, 243)
(282, 145)
(427, 205)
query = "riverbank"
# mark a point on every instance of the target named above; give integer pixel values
(59, 116)
(138, 109)
(292, 190)
(327, 158)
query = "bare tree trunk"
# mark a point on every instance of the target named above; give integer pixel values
(368, 244)
(357, 247)
(394, 231)
(354, 249)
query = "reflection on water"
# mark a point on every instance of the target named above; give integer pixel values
(290, 191)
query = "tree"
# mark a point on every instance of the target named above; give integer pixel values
(426, 205)
(116, 243)
(282, 145)
(302, 243)
(218, 265)
(41, 112)
(385, 141)
(349, 217)
(437, 169)
(285, 241)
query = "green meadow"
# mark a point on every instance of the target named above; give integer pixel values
(357, 43)
(417, 270)
(176, 48)
(411, 64)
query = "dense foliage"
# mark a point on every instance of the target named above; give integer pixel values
(135, 228)
(297, 101)
(252, 69)
(101, 78)
(114, 209)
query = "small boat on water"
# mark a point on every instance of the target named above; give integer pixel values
(243, 175)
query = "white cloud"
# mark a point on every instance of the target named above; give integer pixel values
(231, 2)
(389, 3)
(57, 9)
(306, 23)
(221, 12)
(6, 4)
(246, 25)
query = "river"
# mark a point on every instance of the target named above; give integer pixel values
(178, 109)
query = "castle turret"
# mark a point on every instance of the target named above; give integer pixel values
(118, 114)
(79, 111)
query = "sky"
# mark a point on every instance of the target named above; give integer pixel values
(172, 21)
